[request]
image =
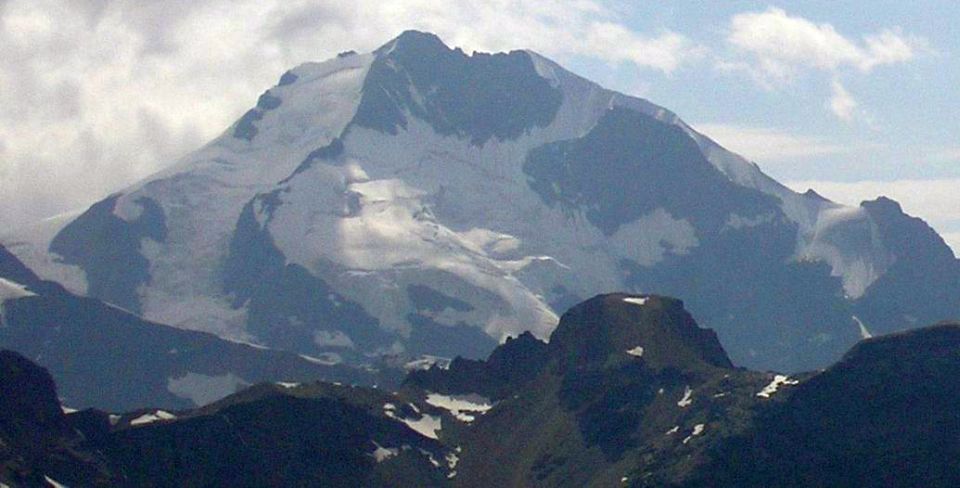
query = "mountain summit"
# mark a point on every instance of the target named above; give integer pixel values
(419, 200)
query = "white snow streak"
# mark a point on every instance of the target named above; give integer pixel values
(774, 385)
(150, 418)
(687, 398)
(460, 405)
(864, 332)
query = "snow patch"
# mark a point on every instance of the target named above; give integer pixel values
(737, 222)
(287, 385)
(336, 338)
(460, 405)
(674, 430)
(426, 362)
(636, 300)
(150, 418)
(637, 351)
(687, 399)
(452, 460)
(426, 425)
(778, 381)
(10, 290)
(381, 453)
(697, 430)
(327, 359)
(53, 483)
(648, 239)
(864, 332)
(68, 410)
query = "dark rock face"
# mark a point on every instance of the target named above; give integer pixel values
(246, 127)
(882, 416)
(433, 338)
(105, 357)
(925, 271)
(36, 440)
(329, 152)
(770, 311)
(609, 325)
(646, 164)
(110, 359)
(287, 78)
(13, 270)
(514, 363)
(107, 248)
(477, 97)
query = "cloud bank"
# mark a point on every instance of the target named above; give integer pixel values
(97, 94)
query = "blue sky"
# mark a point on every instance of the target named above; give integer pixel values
(852, 98)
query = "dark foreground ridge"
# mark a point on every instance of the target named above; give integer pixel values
(628, 392)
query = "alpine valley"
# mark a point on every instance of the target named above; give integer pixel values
(388, 211)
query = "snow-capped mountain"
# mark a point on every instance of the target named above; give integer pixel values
(418, 200)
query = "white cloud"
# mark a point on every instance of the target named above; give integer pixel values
(613, 42)
(774, 48)
(769, 145)
(95, 95)
(841, 102)
(935, 201)
(775, 45)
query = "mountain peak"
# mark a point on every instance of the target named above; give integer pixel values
(478, 97)
(413, 40)
(655, 329)
(883, 204)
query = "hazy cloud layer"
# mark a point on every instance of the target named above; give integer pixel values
(97, 94)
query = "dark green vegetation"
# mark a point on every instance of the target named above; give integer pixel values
(588, 409)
